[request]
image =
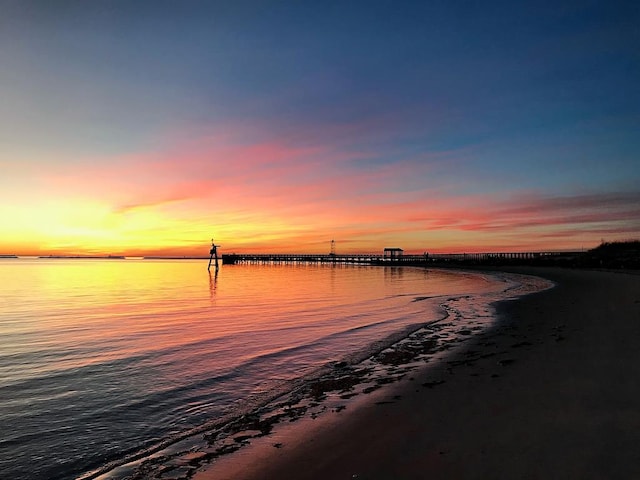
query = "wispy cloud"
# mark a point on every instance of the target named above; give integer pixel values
(276, 194)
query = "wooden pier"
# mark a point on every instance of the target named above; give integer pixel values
(382, 259)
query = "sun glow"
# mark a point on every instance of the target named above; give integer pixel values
(281, 198)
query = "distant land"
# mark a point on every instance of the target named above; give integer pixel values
(615, 255)
(608, 255)
(175, 258)
(88, 257)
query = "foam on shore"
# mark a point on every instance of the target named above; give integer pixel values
(332, 387)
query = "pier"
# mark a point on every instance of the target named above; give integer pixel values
(400, 259)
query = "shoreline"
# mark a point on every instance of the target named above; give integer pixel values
(549, 392)
(384, 361)
(331, 389)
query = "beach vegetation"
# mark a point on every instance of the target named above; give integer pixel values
(620, 254)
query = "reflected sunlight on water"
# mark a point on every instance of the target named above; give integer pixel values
(99, 358)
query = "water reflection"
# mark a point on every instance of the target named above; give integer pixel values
(213, 284)
(393, 273)
(115, 355)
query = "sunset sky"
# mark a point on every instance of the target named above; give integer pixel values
(140, 128)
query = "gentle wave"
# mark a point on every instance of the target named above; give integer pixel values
(122, 358)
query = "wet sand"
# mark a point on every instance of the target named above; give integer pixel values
(553, 391)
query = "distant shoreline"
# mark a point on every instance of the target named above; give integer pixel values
(613, 255)
(174, 258)
(85, 257)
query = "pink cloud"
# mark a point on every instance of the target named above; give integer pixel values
(485, 213)
(321, 191)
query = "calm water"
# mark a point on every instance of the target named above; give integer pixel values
(102, 358)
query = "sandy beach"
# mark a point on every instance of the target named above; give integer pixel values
(552, 391)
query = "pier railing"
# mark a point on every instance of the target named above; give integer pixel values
(378, 259)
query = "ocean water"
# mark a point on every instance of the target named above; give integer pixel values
(100, 359)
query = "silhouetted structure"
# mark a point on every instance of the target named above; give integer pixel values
(432, 259)
(214, 254)
(393, 253)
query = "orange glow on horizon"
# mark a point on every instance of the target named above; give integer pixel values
(274, 197)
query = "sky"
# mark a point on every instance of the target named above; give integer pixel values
(151, 127)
